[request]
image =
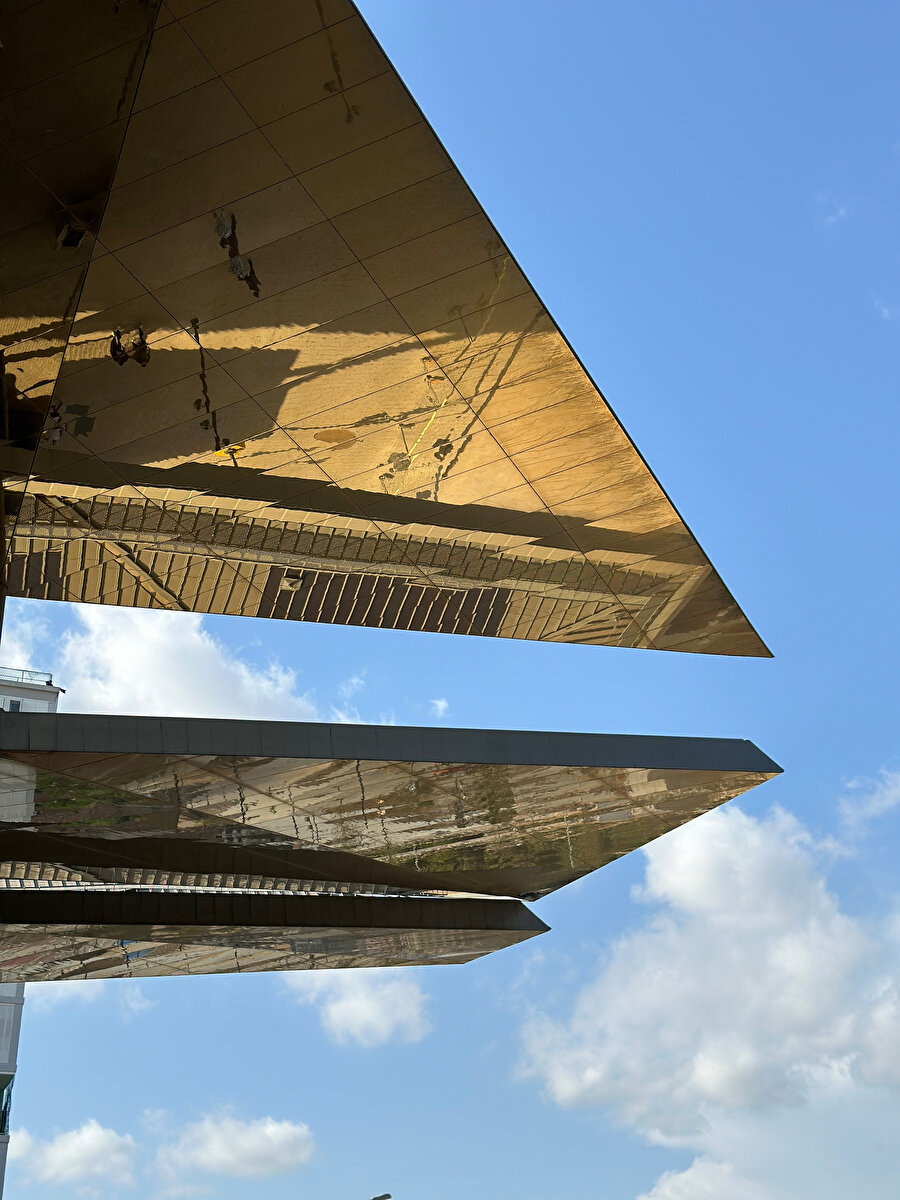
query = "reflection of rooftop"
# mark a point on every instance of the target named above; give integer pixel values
(337, 336)
(223, 845)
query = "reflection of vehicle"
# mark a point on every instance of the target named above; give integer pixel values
(446, 769)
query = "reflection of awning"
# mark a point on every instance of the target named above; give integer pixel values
(338, 338)
(172, 846)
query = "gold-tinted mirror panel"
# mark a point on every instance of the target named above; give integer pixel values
(333, 396)
(161, 846)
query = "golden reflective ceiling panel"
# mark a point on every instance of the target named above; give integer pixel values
(335, 396)
(493, 812)
(134, 846)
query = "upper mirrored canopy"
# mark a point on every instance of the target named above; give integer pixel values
(333, 395)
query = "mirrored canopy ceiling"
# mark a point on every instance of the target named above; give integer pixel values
(169, 807)
(333, 395)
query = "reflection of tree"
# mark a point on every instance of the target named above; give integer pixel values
(487, 787)
(92, 804)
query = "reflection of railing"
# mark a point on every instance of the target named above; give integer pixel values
(15, 675)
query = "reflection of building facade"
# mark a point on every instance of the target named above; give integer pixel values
(28, 692)
(264, 354)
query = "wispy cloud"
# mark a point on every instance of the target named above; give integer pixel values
(831, 210)
(439, 708)
(865, 800)
(349, 687)
(705, 1179)
(44, 997)
(132, 1001)
(346, 714)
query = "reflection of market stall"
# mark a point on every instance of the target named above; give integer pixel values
(161, 846)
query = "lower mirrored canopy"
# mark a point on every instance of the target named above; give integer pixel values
(135, 846)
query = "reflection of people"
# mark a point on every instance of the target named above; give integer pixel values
(224, 229)
(53, 432)
(140, 351)
(117, 351)
(252, 279)
(237, 267)
(245, 272)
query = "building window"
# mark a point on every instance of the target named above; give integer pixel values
(15, 705)
(6, 1087)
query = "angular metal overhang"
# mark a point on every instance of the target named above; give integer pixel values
(155, 846)
(335, 396)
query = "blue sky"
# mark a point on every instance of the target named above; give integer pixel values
(705, 196)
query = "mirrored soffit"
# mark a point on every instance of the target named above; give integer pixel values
(154, 846)
(335, 396)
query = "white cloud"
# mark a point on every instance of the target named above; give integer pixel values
(705, 1179)
(178, 1191)
(132, 1001)
(746, 984)
(224, 1145)
(148, 662)
(369, 1006)
(21, 632)
(439, 708)
(349, 687)
(42, 997)
(155, 1120)
(347, 714)
(868, 799)
(743, 1016)
(125, 660)
(831, 209)
(85, 1155)
(46, 997)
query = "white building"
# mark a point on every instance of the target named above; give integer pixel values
(27, 691)
(20, 691)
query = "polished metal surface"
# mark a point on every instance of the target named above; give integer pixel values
(333, 395)
(92, 934)
(224, 813)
